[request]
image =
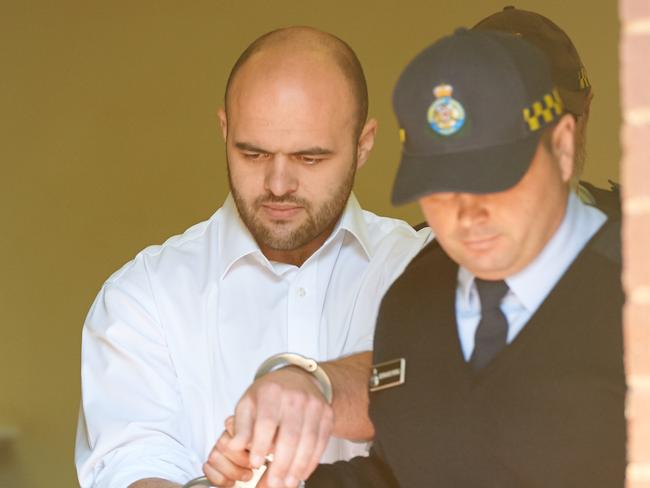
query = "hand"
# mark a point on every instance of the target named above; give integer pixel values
(284, 412)
(225, 466)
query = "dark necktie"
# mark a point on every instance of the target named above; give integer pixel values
(492, 330)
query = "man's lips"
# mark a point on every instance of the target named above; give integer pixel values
(480, 243)
(280, 211)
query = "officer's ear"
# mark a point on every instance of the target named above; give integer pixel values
(223, 122)
(562, 145)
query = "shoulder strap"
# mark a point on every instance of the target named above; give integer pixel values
(607, 241)
(608, 201)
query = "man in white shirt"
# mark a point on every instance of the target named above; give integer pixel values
(175, 336)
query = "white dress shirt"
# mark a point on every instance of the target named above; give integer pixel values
(530, 287)
(174, 337)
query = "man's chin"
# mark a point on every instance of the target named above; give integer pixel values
(279, 237)
(486, 263)
(488, 269)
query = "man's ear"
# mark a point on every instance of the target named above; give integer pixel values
(223, 122)
(563, 145)
(366, 141)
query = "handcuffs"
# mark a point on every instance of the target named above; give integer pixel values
(275, 363)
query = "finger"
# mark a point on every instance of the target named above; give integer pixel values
(288, 438)
(306, 444)
(262, 445)
(229, 424)
(223, 467)
(316, 430)
(222, 447)
(263, 482)
(324, 434)
(216, 478)
(229, 471)
(243, 423)
(265, 427)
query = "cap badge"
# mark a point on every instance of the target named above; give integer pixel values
(446, 115)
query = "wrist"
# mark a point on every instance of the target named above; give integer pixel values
(304, 374)
(308, 365)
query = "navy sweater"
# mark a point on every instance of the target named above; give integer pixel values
(547, 412)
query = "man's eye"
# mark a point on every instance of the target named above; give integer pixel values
(310, 160)
(255, 156)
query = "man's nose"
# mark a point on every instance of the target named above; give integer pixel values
(281, 178)
(471, 209)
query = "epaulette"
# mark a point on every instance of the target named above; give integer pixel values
(607, 241)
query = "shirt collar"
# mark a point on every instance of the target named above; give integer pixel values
(236, 242)
(352, 221)
(532, 284)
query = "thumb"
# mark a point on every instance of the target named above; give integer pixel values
(229, 424)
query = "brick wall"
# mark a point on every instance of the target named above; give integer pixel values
(635, 99)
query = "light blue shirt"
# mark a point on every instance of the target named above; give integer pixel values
(530, 287)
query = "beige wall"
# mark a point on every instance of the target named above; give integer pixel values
(108, 143)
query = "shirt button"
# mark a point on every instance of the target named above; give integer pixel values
(301, 292)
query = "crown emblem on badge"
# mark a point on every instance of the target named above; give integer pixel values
(443, 91)
(446, 115)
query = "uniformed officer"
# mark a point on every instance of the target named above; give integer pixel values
(505, 333)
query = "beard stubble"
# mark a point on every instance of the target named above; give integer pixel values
(318, 220)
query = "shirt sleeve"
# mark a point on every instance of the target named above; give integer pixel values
(387, 264)
(130, 423)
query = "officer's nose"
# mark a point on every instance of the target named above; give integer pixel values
(471, 209)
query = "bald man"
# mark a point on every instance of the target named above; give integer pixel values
(176, 336)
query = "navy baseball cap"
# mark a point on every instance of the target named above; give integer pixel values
(567, 70)
(471, 109)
